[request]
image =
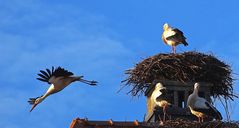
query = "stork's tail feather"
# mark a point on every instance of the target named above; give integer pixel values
(218, 116)
(214, 112)
(185, 43)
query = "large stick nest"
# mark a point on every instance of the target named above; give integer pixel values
(184, 67)
(180, 123)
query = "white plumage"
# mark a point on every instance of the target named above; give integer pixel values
(58, 79)
(173, 37)
(200, 107)
(160, 99)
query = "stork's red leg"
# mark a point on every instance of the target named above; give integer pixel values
(164, 113)
(160, 119)
(174, 49)
(169, 116)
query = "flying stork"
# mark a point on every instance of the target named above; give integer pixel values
(58, 79)
(173, 37)
(200, 107)
(160, 99)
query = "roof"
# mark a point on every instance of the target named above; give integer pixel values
(178, 123)
(85, 123)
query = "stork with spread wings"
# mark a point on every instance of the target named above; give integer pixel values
(58, 79)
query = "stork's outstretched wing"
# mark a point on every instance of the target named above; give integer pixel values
(47, 74)
(61, 72)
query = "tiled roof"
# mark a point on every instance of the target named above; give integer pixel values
(84, 123)
(177, 123)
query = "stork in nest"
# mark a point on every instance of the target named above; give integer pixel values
(200, 107)
(173, 37)
(159, 97)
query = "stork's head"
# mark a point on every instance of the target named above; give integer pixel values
(35, 101)
(159, 86)
(165, 26)
(196, 86)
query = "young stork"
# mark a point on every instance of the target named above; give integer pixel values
(159, 98)
(173, 37)
(200, 107)
(58, 79)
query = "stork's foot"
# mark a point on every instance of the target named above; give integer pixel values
(160, 120)
(93, 83)
(161, 123)
(169, 117)
(166, 117)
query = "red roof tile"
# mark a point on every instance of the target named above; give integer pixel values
(84, 123)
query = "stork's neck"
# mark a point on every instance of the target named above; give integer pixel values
(155, 94)
(195, 91)
(43, 97)
(49, 92)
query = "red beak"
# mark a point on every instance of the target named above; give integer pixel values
(33, 106)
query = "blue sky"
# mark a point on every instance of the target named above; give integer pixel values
(99, 39)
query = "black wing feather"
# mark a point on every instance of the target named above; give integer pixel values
(178, 34)
(45, 76)
(49, 72)
(58, 72)
(61, 72)
(44, 73)
(42, 76)
(178, 31)
(211, 111)
(216, 113)
(178, 37)
(52, 70)
(42, 80)
(163, 95)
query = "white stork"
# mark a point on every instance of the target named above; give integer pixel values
(200, 107)
(58, 79)
(160, 99)
(173, 37)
